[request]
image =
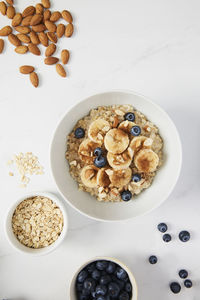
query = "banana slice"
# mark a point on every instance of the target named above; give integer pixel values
(89, 176)
(126, 126)
(119, 178)
(146, 160)
(97, 130)
(103, 178)
(120, 161)
(140, 142)
(86, 151)
(116, 141)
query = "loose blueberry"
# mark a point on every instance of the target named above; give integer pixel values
(96, 274)
(101, 290)
(111, 268)
(136, 177)
(82, 276)
(183, 274)
(79, 133)
(126, 195)
(184, 236)
(167, 238)
(98, 151)
(113, 289)
(100, 161)
(128, 287)
(188, 283)
(101, 265)
(124, 296)
(129, 116)
(105, 279)
(162, 227)
(121, 273)
(153, 259)
(135, 130)
(175, 287)
(89, 284)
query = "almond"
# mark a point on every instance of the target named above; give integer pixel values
(39, 28)
(17, 20)
(60, 70)
(51, 60)
(13, 39)
(10, 2)
(56, 15)
(1, 45)
(3, 8)
(60, 30)
(39, 8)
(65, 56)
(23, 29)
(50, 50)
(52, 37)
(23, 38)
(69, 30)
(26, 21)
(47, 15)
(34, 79)
(46, 3)
(21, 49)
(34, 49)
(67, 16)
(50, 26)
(26, 69)
(29, 11)
(43, 39)
(34, 38)
(36, 19)
(10, 12)
(5, 31)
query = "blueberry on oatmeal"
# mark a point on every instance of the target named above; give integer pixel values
(135, 130)
(79, 133)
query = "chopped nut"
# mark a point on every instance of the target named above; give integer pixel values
(119, 112)
(11, 174)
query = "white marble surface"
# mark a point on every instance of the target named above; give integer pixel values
(153, 48)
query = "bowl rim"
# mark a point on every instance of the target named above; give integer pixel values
(40, 251)
(113, 259)
(159, 108)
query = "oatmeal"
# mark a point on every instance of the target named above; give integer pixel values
(114, 153)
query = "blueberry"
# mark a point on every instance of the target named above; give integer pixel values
(129, 116)
(128, 287)
(135, 130)
(79, 133)
(184, 236)
(120, 283)
(136, 177)
(162, 227)
(105, 279)
(101, 265)
(126, 195)
(188, 283)
(82, 276)
(79, 287)
(175, 287)
(91, 267)
(83, 297)
(124, 296)
(167, 237)
(100, 161)
(183, 274)
(101, 290)
(98, 151)
(121, 273)
(89, 284)
(113, 289)
(100, 298)
(111, 268)
(153, 259)
(96, 274)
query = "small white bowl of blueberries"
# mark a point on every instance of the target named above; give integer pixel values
(103, 278)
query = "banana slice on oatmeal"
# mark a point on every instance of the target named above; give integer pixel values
(146, 160)
(103, 178)
(119, 178)
(120, 161)
(97, 130)
(126, 126)
(116, 141)
(89, 176)
(140, 142)
(86, 151)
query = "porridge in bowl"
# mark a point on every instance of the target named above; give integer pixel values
(114, 153)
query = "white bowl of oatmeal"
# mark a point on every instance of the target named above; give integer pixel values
(139, 148)
(36, 224)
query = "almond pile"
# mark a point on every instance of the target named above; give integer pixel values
(34, 26)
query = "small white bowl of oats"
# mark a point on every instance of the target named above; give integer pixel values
(36, 224)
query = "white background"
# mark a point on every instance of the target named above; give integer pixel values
(153, 48)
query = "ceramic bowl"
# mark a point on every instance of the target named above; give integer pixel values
(149, 199)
